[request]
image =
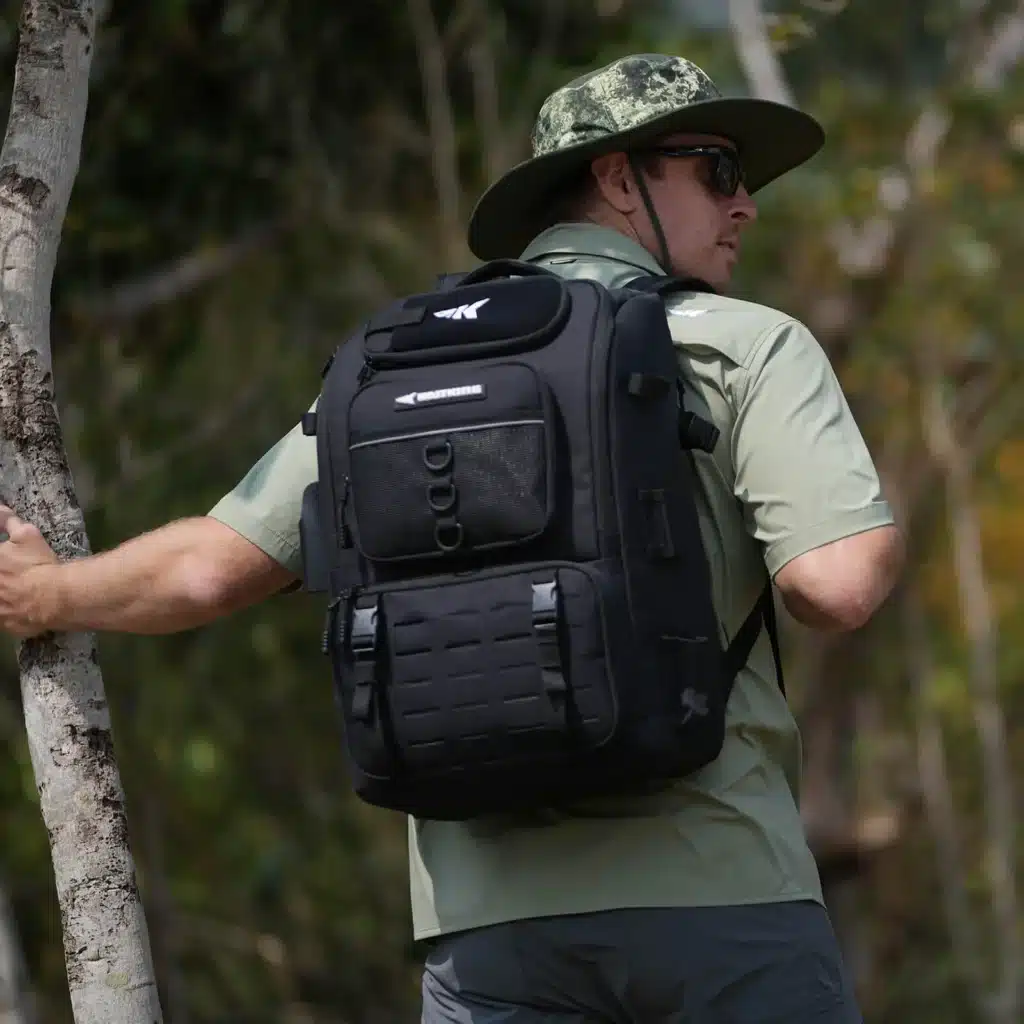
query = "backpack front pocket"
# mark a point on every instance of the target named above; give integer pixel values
(444, 463)
(477, 691)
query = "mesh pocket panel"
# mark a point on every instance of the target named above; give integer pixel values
(465, 489)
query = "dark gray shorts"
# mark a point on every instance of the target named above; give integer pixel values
(773, 964)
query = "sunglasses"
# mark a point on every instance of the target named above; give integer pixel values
(725, 173)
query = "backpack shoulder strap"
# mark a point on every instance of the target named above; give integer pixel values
(446, 282)
(762, 614)
(490, 271)
(664, 285)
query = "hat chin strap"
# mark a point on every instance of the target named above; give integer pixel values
(645, 195)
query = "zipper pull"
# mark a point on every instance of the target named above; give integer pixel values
(331, 623)
(344, 533)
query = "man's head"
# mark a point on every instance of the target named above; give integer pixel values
(694, 183)
(647, 146)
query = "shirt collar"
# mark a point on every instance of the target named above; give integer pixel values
(590, 240)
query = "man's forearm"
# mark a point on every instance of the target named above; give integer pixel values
(180, 576)
(147, 585)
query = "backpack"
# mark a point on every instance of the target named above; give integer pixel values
(519, 604)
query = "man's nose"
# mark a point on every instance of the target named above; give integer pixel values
(742, 207)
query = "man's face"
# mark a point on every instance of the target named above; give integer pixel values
(702, 225)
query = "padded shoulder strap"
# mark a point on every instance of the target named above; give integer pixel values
(763, 613)
(491, 271)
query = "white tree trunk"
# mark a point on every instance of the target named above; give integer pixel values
(109, 966)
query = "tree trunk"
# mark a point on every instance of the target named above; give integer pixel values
(940, 811)
(15, 996)
(980, 628)
(754, 49)
(106, 945)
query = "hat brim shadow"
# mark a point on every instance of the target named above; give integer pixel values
(771, 138)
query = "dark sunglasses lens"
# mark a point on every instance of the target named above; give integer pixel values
(727, 174)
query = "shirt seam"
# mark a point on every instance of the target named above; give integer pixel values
(762, 339)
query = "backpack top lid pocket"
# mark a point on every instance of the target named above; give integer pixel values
(473, 321)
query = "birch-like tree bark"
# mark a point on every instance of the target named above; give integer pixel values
(106, 945)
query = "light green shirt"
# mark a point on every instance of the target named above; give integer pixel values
(790, 473)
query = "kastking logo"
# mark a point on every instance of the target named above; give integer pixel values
(467, 312)
(466, 392)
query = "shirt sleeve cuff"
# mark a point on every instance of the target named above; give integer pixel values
(233, 513)
(857, 521)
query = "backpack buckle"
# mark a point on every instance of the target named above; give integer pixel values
(362, 642)
(698, 433)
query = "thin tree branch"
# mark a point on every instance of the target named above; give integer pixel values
(998, 423)
(137, 468)
(165, 913)
(440, 119)
(554, 16)
(982, 637)
(483, 67)
(167, 284)
(761, 64)
(938, 799)
(1004, 50)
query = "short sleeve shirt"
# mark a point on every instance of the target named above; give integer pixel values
(790, 473)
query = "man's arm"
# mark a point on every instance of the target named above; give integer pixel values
(180, 576)
(839, 587)
(809, 487)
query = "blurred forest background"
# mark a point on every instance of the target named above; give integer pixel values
(257, 176)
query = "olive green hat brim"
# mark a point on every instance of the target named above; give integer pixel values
(771, 138)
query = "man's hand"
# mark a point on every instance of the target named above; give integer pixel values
(25, 563)
(177, 577)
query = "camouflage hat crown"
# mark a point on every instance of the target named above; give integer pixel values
(622, 96)
(631, 102)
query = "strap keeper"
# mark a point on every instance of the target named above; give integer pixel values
(648, 385)
(546, 611)
(661, 545)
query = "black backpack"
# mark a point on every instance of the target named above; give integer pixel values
(520, 607)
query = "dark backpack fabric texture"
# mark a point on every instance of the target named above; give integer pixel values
(519, 604)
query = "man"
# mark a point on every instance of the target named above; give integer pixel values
(702, 903)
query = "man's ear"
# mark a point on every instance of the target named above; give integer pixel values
(615, 182)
